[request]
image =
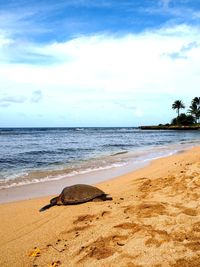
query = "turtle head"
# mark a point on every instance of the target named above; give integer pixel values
(54, 201)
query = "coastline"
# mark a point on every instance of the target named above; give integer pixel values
(46, 187)
(54, 154)
(154, 210)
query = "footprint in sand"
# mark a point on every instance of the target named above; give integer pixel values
(147, 209)
(131, 227)
(187, 211)
(190, 212)
(190, 262)
(188, 237)
(82, 223)
(194, 246)
(103, 247)
(153, 242)
(157, 237)
(149, 186)
(86, 218)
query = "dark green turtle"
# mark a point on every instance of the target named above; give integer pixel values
(76, 194)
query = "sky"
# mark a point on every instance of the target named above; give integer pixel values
(90, 63)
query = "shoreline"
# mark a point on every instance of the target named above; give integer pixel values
(48, 188)
(55, 186)
(155, 209)
(42, 159)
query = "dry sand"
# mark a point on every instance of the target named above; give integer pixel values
(153, 220)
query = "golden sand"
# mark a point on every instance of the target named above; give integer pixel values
(153, 220)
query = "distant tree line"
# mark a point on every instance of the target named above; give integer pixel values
(192, 115)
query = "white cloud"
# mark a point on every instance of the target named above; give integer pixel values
(90, 71)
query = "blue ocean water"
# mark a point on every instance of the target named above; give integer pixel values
(29, 155)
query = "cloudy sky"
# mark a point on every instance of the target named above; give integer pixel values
(97, 62)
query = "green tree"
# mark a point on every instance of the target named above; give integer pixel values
(178, 104)
(194, 109)
(196, 101)
(183, 119)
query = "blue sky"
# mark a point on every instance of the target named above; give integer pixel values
(97, 63)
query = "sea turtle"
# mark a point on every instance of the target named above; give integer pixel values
(76, 194)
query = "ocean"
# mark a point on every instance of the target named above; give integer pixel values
(32, 155)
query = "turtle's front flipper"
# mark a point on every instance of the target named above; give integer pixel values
(46, 207)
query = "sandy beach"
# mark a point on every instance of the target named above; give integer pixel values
(153, 220)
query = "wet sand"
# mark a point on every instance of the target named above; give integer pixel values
(52, 187)
(153, 220)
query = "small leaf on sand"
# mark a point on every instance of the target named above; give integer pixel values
(35, 253)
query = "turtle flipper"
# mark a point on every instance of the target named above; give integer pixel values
(46, 207)
(54, 201)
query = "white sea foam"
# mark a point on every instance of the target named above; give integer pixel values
(5, 184)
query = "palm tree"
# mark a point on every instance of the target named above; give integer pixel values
(178, 104)
(196, 101)
(194, 109)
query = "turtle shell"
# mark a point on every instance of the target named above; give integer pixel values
(79, 193)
